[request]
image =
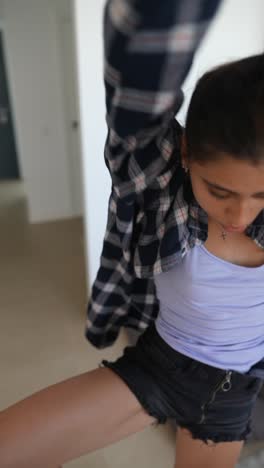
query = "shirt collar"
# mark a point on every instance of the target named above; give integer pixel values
(197, 218)
(197, 222)
(256, 230)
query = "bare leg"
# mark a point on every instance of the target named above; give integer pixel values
(69, 419)
(192, 453)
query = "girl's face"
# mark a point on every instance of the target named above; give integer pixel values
(230, 191)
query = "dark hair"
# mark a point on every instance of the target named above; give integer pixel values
(226, 112)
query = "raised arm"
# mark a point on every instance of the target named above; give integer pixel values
(149, 46)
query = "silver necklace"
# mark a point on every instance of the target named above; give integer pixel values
(223, 234)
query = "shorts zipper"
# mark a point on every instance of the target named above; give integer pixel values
(225, 385)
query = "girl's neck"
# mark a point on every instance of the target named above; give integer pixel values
(237, 248)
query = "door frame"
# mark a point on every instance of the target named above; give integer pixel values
(10, 96)
(65, 25)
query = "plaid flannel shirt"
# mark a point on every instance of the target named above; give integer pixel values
(153, 218)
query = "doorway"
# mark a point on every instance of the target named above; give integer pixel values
(9, 169)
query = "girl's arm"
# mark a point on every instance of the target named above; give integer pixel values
(148, 46)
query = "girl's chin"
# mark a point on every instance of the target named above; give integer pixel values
(229, 228)
(238, 229)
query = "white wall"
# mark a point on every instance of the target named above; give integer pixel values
(238, 31)
(88, 19)
(35, 81)
(1, 13)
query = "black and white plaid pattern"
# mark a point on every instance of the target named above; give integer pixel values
(153, 219)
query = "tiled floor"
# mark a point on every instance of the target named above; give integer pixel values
(43, 298)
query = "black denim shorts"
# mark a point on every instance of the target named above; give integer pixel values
(213, 404)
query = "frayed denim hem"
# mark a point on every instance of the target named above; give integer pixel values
(142, 401)
(210, 437)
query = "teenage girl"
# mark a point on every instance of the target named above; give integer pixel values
(200, 361)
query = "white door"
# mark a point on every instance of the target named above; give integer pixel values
(66, 39)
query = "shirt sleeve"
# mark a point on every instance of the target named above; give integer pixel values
(148, 50)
